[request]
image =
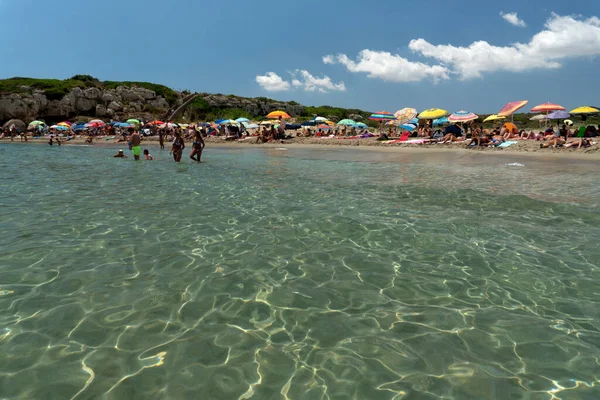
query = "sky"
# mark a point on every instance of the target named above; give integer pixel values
(459, 55)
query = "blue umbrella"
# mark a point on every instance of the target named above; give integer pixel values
(558, 115)
(361, 125)
(78, 127)
(440, 121)
(408, 127)
(61, 128)
(242, 120)
(218, 122)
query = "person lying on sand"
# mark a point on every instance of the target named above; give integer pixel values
(579, 143)
(555, 143)
(120, 154)
(453, 133)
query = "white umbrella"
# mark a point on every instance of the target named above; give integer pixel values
(320, 119)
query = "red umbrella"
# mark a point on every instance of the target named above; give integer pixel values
(155, 122)
(512, 107)
(323, 127)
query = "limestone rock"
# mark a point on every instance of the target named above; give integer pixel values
(115, 105)
(101, 110)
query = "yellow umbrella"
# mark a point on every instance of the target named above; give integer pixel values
(493, 117)
(277, 114)
(64, 124)
(584, 110)
(330, 123)
(433, 113)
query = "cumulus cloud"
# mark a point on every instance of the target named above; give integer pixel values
(272, 82)
(513, 19)
(563, 37)
(301, 79)
(311, 83)
(389, 67)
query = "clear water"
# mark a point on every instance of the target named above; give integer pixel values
(298, 274)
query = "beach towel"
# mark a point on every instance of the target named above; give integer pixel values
(507, 144)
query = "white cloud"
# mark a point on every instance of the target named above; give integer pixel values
(300, 79)
(513, 19)
(311, 83)
(389, 67)
(563, 37)
(272, 82)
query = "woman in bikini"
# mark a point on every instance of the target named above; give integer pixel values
(177, 148)
(197, 147)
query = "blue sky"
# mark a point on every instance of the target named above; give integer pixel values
(398, 54)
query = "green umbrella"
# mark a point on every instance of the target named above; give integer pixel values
(36, 123)
(133, 121)
(347, 122)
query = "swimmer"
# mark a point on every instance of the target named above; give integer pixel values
(148, 155)
(120, 154)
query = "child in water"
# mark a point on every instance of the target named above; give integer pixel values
(148, 155)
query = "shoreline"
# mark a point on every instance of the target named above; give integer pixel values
(528, 148)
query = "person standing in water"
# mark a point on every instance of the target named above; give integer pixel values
(177, 147)
(161, 139)
(135, 141)
(197, 147)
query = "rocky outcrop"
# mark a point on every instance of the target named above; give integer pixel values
(126, 102)
(122, 102)
(257, 106)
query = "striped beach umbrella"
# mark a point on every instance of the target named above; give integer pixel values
(382, 116)
(462, 116)
(512, 107)
(547, 107)
(433, 113)
(405, 115)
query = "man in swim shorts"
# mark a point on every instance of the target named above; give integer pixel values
(135, 144)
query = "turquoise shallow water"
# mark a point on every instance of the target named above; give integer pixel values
(298, 274)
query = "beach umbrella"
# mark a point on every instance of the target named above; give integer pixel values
(15, 124)
(319, 119)
(252, 126)
(405, 115)
(322, 127)
(59, 128)
(93, 124)
(242, 120)
(65, 123)
(568, 122)
(132, 121)
(169, 125)
(97, 121)
(382, 116)
(539, 117)
(433, 113)
(547, 107)
(361, 125)
(585, 110)
(512, 107)
(493, 117)
(440, 121)
(558, 115)
(267, 122)
(36, 123)
(123, 125)
(155, 122)
(462, 116)
(347, 122)
(408, 127)
(277, 114)
(78, 127)
(228, 122)
(330, 123)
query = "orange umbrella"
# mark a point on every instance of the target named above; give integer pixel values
(277, 114)
(512, 107)
(547, 107)
(155, 122)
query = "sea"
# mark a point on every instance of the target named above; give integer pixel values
(298, 273)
